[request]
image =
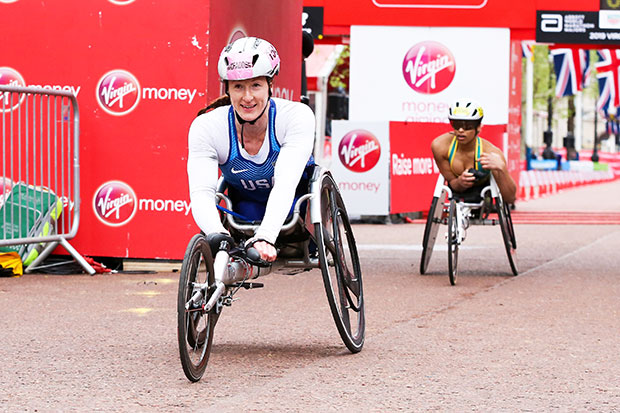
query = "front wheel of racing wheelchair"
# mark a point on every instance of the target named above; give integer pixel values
(195, 325)
(340, 265)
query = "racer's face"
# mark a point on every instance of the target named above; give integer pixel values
(465, 130)
(249, 96)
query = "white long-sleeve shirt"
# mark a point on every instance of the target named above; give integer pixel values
(293, 125)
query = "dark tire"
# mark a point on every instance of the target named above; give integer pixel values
(194, 325)
(453, 243)
(435, 215)
(340, 266)
(508, 233)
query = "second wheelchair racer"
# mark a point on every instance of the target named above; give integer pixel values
(465, 159)
(261, 144)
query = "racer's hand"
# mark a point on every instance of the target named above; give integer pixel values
(465, 181)
(492, 161)
(266, 250)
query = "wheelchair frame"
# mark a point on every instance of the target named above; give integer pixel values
(208, 281)
(458, 216)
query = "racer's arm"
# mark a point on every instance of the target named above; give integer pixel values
(202, 171)
(440, 148)
(493, 159)
(297, 143)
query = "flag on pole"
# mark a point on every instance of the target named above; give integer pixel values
(608, 67)
(569, 71)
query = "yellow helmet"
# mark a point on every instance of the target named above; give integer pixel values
(465, 109)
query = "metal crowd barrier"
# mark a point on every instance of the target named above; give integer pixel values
(40, 173)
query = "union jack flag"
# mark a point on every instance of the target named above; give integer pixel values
(571, 67)
(608, 67)
(603, 104)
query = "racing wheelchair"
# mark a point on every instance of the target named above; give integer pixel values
(318, 234)
(458, 214)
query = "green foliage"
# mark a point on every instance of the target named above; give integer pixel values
(339, 77)
(544, 77)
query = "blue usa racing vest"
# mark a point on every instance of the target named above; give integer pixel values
(252, 181)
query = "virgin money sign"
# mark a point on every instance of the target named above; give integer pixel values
(138, 87)
(413, 74)
(360, 165)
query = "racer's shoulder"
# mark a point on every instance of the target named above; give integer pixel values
(442, 140)
(209, 126)
(440, 146)
(213, 118)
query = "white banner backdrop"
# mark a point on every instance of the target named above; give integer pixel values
(413, 74)
(360, 165)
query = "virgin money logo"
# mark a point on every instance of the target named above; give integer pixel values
(118, 92)
(115, 203)
(429, 67)
(359, 150)
(121, 2)
(10, 77)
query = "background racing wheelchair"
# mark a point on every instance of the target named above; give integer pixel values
(317, 235)
(486, 208)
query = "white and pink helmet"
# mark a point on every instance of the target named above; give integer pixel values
(248, 57)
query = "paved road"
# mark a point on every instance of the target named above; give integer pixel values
(546, 340)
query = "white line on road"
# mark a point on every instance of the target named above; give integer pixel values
(410, 247)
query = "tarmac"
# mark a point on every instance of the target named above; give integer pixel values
(545, 340)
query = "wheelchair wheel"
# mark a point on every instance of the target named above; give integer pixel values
(453, 242)
(340, 267)
(433, 220)
(194, 326)
(508, 233)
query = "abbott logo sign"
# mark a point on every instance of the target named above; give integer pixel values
(551, 23)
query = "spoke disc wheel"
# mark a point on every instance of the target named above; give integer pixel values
(508, 233)
(453, 242)
(340, 267)
(431, 228)
(194, 325)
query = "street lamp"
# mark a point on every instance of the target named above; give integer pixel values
(595, 150)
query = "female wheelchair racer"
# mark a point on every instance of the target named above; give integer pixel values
(263, 147)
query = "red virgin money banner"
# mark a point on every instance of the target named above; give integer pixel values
(140, 71)
(413, 171)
